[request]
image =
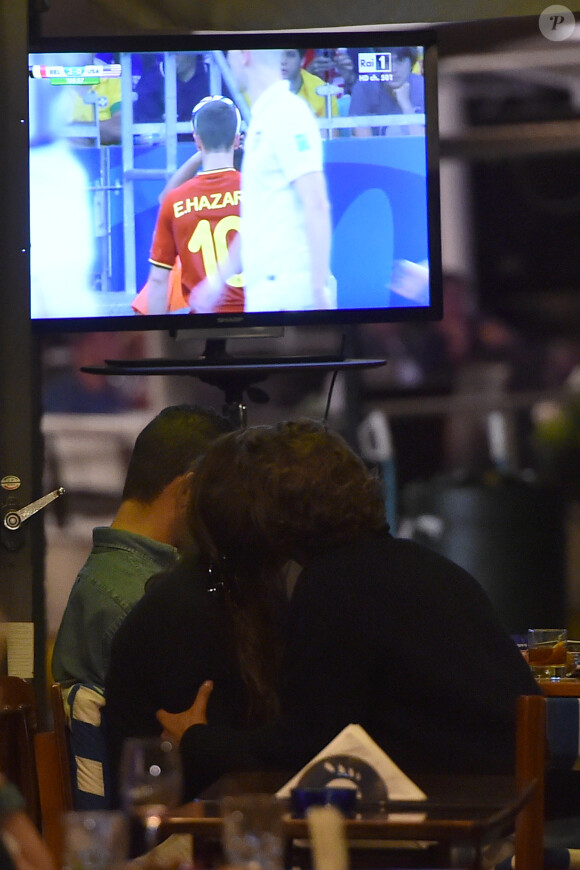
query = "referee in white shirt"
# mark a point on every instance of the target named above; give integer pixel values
(285, 229)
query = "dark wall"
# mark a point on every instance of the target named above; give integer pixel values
(21, 568)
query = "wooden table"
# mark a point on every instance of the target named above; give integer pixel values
(466, 812)
(567, 687)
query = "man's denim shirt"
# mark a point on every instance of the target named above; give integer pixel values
(108, 585)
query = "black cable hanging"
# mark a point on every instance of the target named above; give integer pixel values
(333, 381)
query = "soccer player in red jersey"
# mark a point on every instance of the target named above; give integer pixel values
(198, 220)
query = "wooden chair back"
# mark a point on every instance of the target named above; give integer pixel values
(18, 726)
(531, 759)
(53, 774)
(61, 732)
(547, 732)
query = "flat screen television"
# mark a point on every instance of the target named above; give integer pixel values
(110, 121)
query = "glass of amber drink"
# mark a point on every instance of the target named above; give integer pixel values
(547, 652)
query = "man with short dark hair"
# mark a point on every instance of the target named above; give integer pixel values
(199, 219)
(191, 84)
(404, 94)
(304, 84)
(146, 537)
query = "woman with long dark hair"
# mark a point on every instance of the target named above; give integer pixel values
(381, 631)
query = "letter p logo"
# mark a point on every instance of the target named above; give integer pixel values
(557, 23)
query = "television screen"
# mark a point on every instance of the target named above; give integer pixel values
(176, 182)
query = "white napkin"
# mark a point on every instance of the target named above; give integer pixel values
(354, 740)
(20, 649)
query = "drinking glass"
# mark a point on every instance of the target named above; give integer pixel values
(547, 652)
(573, 658)
(151, 781)
(94, 840)
(252, 831)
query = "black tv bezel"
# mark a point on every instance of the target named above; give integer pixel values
(225, 40)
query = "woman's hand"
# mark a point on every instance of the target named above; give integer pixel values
(176, 724)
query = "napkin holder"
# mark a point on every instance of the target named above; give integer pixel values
(353, 759)
(345, 771)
